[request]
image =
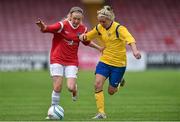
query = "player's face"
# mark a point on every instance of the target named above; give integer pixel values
(105, 22)
(76, 18)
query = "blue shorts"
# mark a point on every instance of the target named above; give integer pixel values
(115, 74)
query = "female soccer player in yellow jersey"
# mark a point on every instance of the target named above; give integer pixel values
(112, 62)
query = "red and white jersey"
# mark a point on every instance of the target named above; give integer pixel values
(65, 42)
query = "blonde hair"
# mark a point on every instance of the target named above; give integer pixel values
(107, 12)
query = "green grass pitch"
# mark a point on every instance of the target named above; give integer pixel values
(152, 95)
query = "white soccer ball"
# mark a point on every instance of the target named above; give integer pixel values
(56, 112)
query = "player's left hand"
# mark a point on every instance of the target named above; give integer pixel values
(137, 54)
(82, 37)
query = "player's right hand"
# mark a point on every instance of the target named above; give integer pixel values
(39, 23)
(101, 49)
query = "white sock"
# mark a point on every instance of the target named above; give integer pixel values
(55, 98)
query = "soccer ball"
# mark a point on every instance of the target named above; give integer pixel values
(56, 112)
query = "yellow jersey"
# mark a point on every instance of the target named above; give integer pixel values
(115, 39)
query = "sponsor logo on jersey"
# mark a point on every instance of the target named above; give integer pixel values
(70, 42)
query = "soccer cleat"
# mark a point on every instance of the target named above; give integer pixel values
(75, 94)
(47, 118)
(100, 116)
(74, 98)
(122, 82)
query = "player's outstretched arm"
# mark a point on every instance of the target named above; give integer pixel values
(41, 25)
(135, 51)
(83, 37)
(94, 45)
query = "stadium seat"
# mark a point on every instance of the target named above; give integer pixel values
(151, 22)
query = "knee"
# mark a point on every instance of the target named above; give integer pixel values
(57, 88)
(98, 85)
(57, 84)
(111, 92)
(71, 88)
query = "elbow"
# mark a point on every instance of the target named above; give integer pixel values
(87, 43)
(43, 30)
(131, 43)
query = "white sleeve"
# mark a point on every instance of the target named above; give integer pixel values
(85, 30)
(62, 26)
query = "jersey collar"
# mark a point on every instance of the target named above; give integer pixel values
(72, 25)
(109, 25)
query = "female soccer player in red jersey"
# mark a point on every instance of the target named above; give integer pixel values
(63, 56)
